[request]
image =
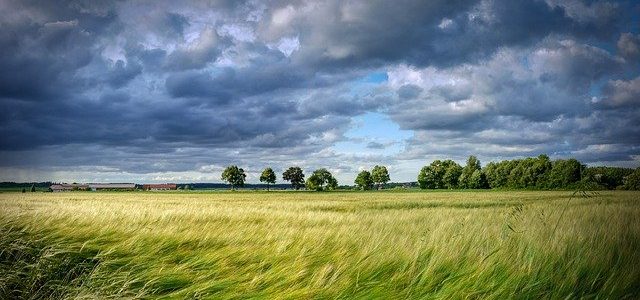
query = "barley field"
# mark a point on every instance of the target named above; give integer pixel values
(334, 245)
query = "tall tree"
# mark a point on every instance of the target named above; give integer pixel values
(380, 176)
(364, 180)
(452, 172)
(320, 180)
(234, 176)
(268, 177)
(540, 170)
(295, 176)
(473, 164)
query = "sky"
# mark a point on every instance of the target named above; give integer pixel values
(174, 91)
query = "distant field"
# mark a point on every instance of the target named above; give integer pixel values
(349, 245)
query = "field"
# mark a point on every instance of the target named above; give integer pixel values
(347, 245)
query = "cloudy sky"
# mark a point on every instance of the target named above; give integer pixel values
(165, 91)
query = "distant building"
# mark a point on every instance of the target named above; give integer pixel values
(160, 187)
(64, 187)
(112, 186)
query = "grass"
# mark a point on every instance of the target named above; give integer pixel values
(346, 245)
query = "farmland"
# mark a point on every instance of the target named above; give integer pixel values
(293, 245)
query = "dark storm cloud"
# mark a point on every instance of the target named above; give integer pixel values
(148, 86)
(45, 44)
(621, 93)
(114, 97)
(272, 71)
(39, 62)
(542, 83)
(193, 84)
(176, 23)
(152, 60)
(121, 74)
(421, 33)
(195, 56)
(629, 46)
(409, 91)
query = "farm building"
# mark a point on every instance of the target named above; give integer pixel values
(112, 186)
(68, 187)
(160, 187)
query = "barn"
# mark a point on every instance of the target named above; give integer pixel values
(160, 187)
(64, 187)
(112, 186)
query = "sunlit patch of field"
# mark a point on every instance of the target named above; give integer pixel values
(375, 245)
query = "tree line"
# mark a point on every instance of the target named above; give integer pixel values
(527, 173)
(320, 179)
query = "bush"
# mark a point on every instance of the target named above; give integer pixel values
(632, 181)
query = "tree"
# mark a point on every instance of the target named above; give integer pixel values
(439, 175)
(607, 177)
(234, 176)
(24, 190)
(332, 183)
(364, 180)
(494, 176)
(540, 170)
(632, 181)
(564, 173)
(320, 180)
(521, 175)
(268, 176)
(295, 176)
(437, 167)
(473, 164)
(427, 178)
(478, 180)
(513, 172)
(452, 172)
(380, 176)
